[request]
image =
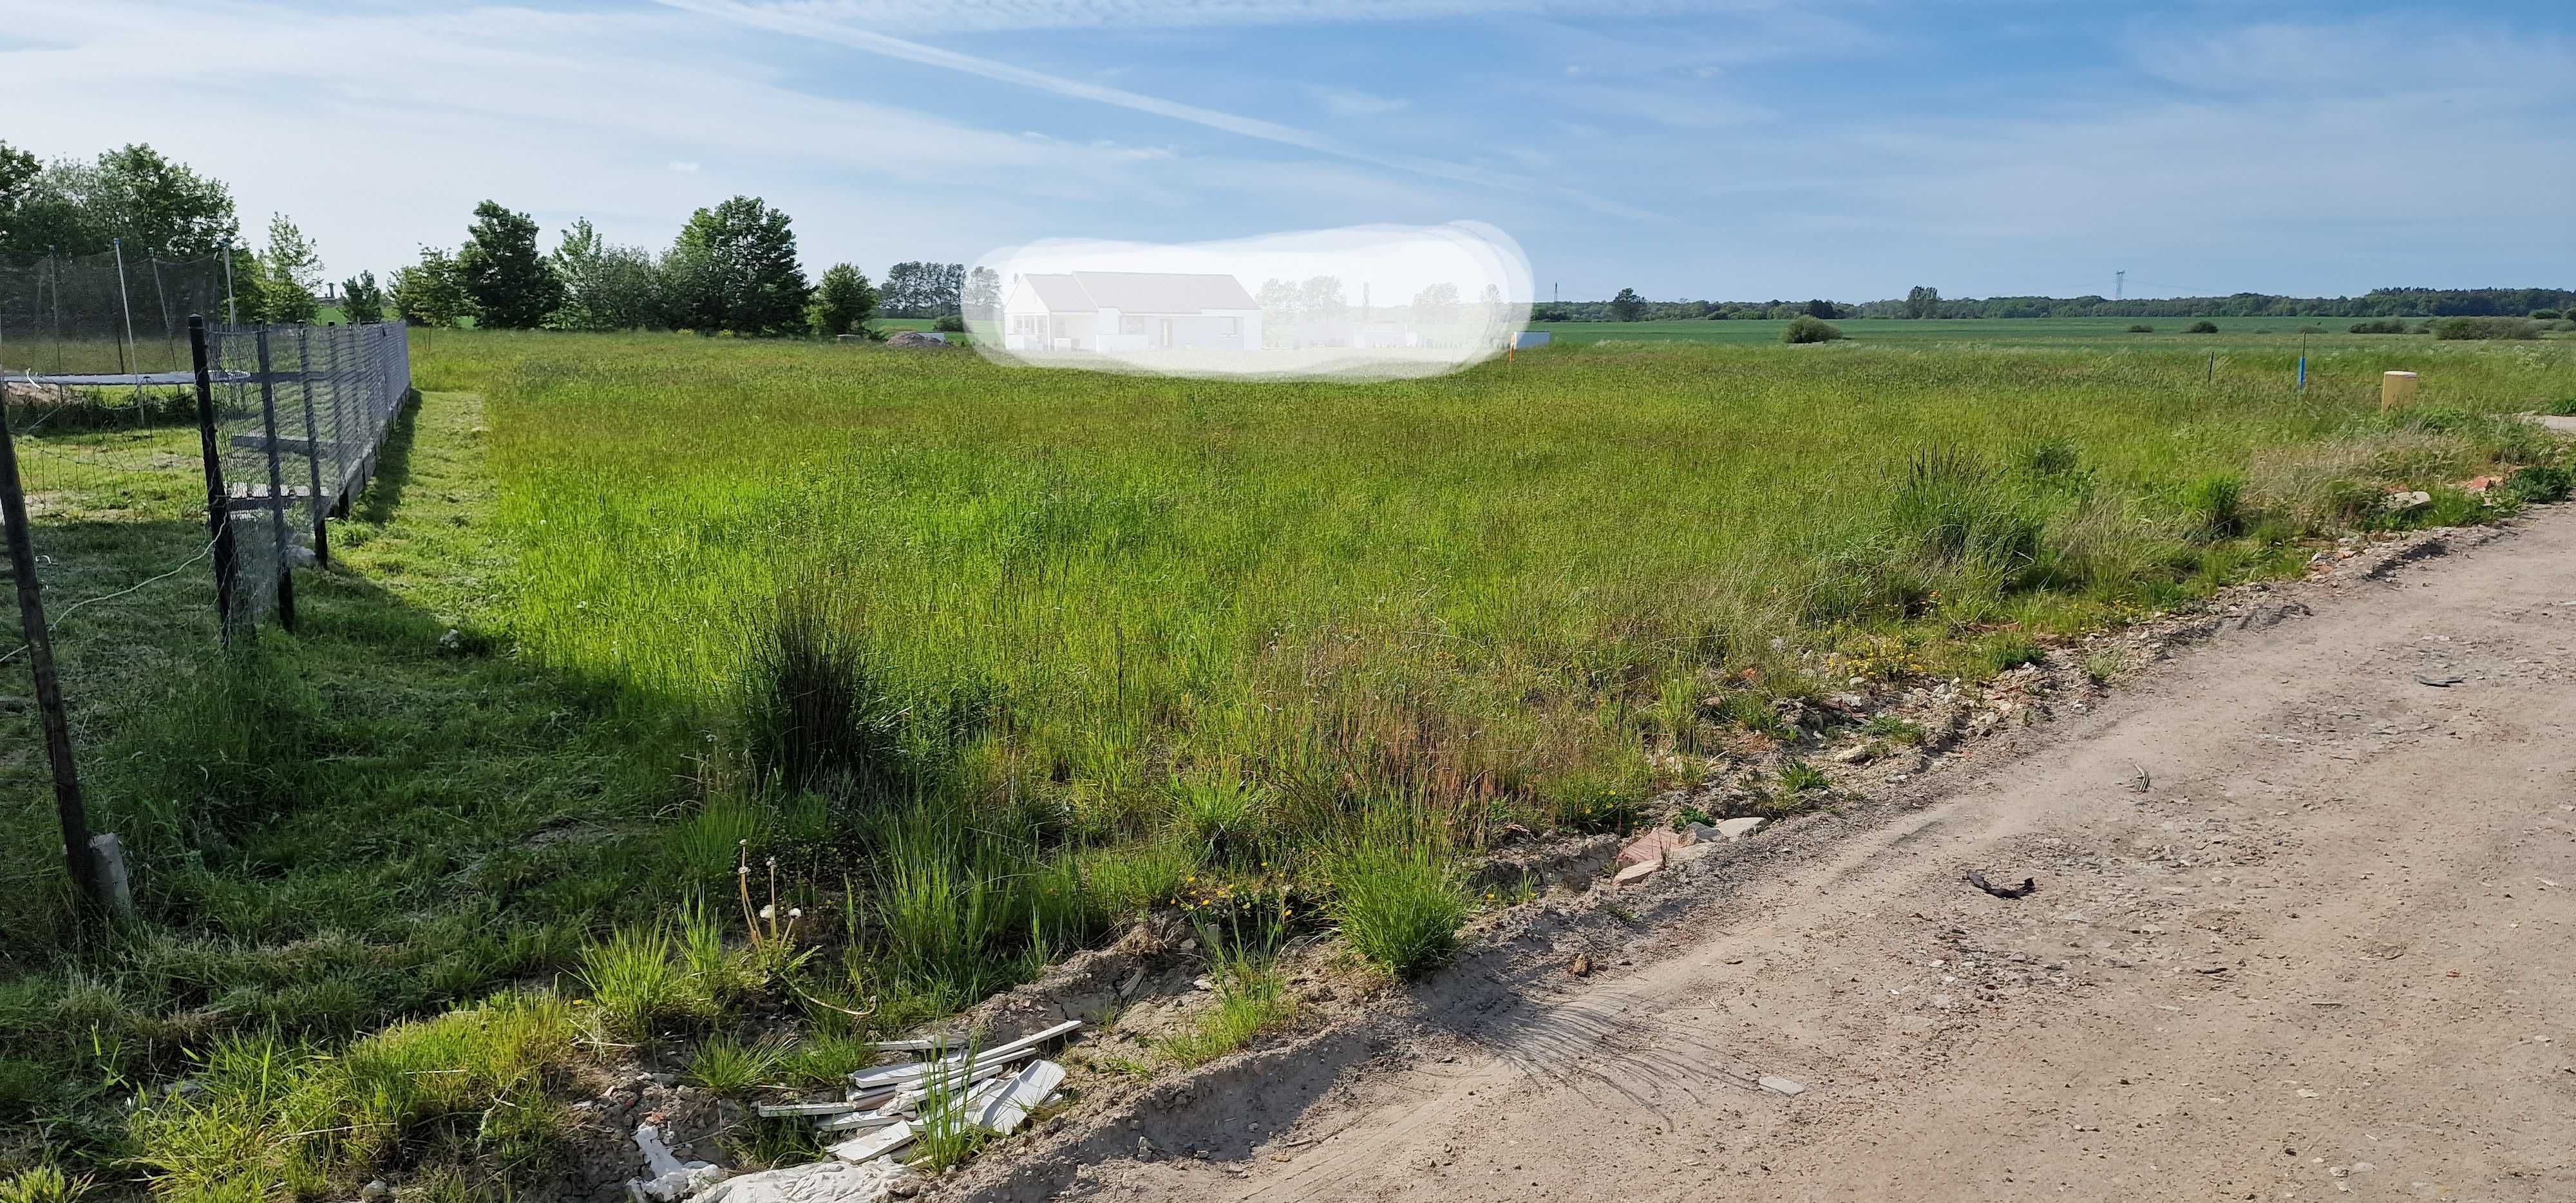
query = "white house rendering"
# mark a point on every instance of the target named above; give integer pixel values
(1129, 311)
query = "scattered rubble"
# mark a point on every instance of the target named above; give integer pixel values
(882, 1109)
(672, 1178)
(813, 1182)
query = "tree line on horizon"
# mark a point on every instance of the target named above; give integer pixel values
(733, 268)
(1926, 303)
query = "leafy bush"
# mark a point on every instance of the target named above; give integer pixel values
(1808, 329)
(2546, 315)
(2540, 483)
(2141, 328)
(2455, 329)
(2382, 325)
(949, 323)
(2203, 326)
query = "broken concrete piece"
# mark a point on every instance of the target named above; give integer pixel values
(898, 1075)
(1022, 1094)
(861, 1121)
(878, 1143)
(670, 1177)
(1736, 829)
(917, 1045)
(1784, 1086)
(1634, 873)
(1650, 847)
(870, 1082)
(775, 1110)
(814, 1182)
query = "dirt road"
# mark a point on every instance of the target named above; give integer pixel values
(2326, 951)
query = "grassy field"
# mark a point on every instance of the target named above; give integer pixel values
(992, 660)
(2271, 333)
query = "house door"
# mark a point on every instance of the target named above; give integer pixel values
(1167, 333)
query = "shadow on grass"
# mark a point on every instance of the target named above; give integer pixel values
(384, 494)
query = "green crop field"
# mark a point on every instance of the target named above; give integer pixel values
(993, 660)
(2169, 333)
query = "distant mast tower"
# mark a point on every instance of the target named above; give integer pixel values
(2119, 283)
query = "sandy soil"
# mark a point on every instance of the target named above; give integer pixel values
(2324, 951)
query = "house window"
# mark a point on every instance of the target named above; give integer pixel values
(1233, 327)
(1131, 324)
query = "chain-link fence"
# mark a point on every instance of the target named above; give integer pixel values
(299, 414)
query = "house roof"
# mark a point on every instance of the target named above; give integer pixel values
(1139, 292)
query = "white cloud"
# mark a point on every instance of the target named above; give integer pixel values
(921, 17)
(380, 128)
(800, 22)
(1351, 102)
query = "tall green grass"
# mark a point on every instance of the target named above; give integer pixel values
(1055, 610)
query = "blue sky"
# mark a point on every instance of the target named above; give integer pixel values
(1732, 149)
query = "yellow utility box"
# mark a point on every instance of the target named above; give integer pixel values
(2396, 390)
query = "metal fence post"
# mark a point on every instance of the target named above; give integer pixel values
(49, 689)
(219, 523)
(312, 446)
(277, 500)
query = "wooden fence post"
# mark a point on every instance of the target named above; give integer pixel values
(49, 689)
(219, 523)
(312, 446)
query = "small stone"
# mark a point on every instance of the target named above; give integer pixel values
(375, 1189)
(1736, 829)
(1784, 1086)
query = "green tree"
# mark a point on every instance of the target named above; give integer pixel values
(1627, 306)
(982, 301)
(159, 208)
(513, 286)
(362, 301)
(432, 292)
(289, 270)
(606, 287)
(1922, 302)
(18, 173)
(842, 302)
(734, 269)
